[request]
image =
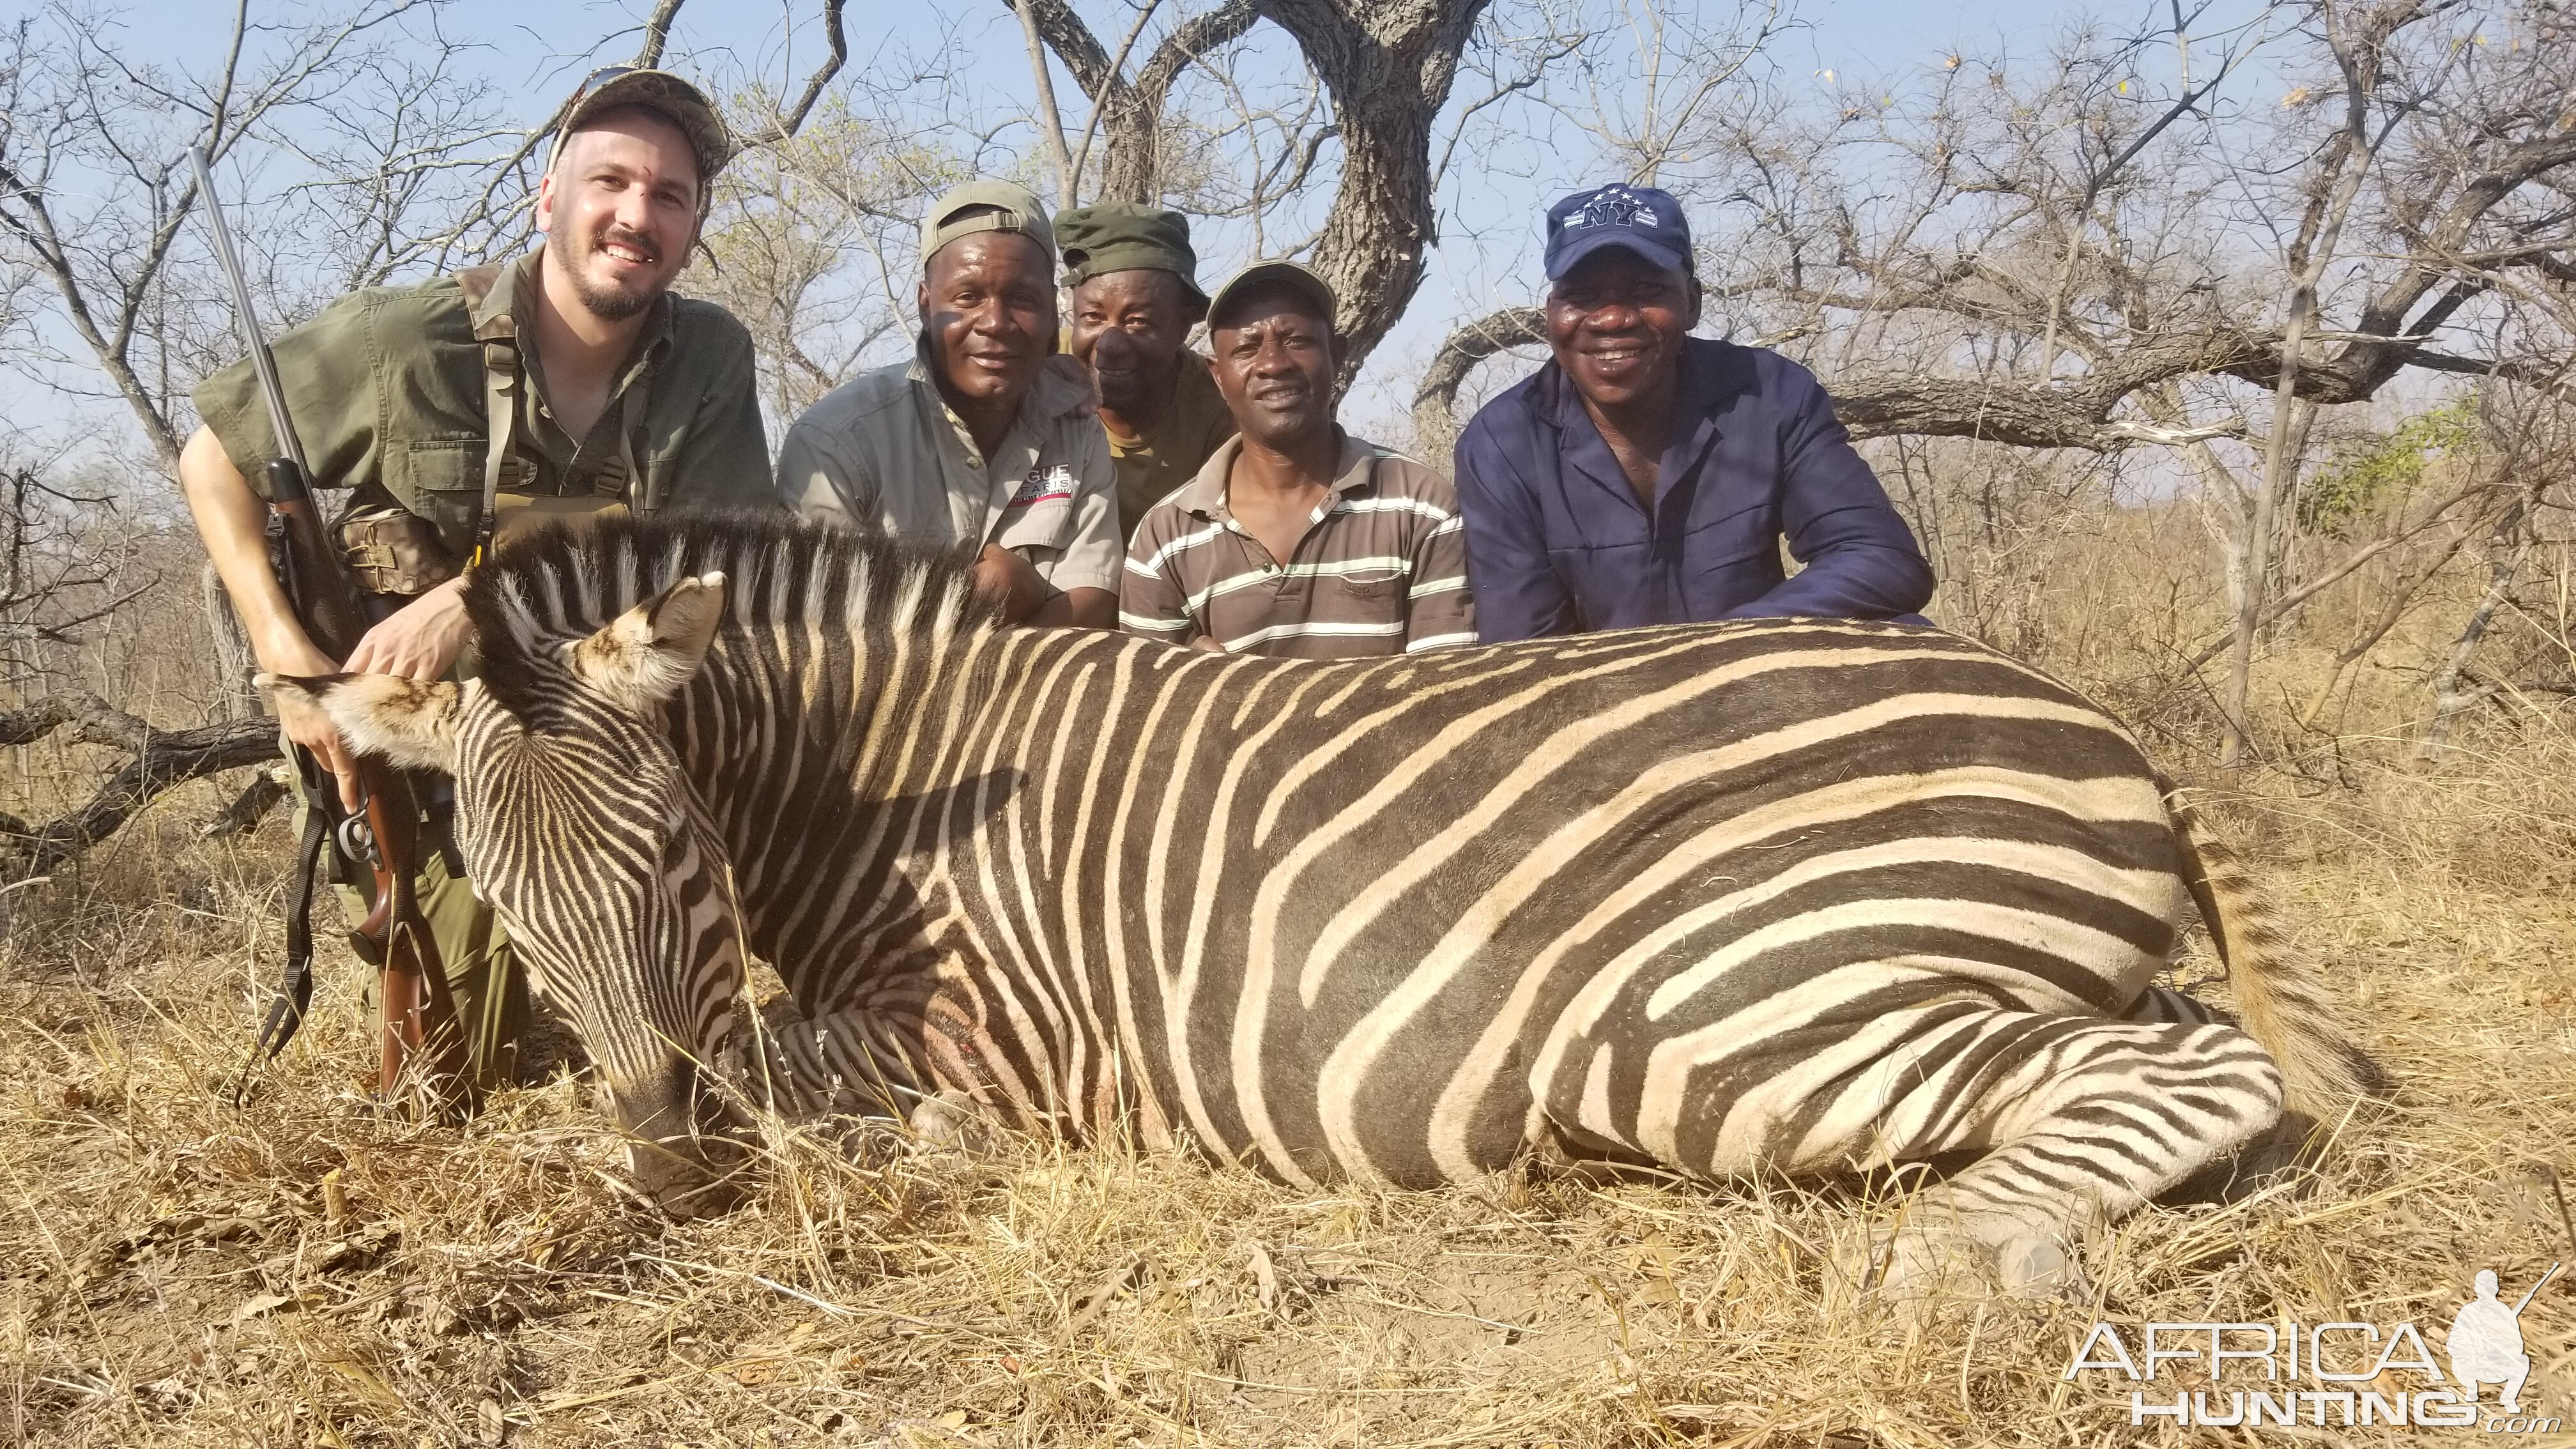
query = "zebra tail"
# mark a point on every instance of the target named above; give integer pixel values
(2280, 996)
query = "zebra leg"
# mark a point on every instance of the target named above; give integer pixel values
(2078, 1118)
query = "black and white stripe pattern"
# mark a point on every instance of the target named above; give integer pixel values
(1783, 895)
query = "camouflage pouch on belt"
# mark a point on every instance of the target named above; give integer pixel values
(392, 551)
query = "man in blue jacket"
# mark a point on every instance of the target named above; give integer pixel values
(1645, 476)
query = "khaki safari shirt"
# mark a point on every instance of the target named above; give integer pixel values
(386, 387)
(885, 451)
(1153, 467)
(1382, 568)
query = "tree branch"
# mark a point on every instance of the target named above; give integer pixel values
(161, 760)
(1129, 114)
(794, 118)
(657, 33)
(1435, 402)
(1050, 120)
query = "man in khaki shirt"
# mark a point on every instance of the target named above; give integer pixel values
(986, 440)
(1135, 297)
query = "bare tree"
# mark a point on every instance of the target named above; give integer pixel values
(157, 760)
(1388, 67)
(65, 565)
(1127, 111)
(96, 196)
(811, 243)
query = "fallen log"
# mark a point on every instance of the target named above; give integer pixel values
(159, 760)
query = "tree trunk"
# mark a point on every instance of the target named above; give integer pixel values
(1388, 68)
(2503, 568)
(1435, 402)
(1131, 111)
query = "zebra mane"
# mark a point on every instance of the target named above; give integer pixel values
(538, 593)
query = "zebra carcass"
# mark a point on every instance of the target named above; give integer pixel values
(1786, 895)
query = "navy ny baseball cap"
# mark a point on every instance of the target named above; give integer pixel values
(1642, 219)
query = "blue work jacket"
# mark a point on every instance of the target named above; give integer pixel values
(1557, 541)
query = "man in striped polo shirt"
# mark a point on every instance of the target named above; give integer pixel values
(1296, 539)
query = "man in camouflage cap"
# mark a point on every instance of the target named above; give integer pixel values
(567, 382)
(1135, 298)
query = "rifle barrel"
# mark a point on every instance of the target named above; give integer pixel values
(230, 261)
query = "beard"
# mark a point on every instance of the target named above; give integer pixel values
(606, 300)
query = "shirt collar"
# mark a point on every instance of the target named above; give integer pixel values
(1204, 494)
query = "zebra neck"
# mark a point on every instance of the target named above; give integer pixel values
(839, 764)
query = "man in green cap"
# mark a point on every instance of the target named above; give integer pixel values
(1135, 298)
(570, 381)
(987, 440)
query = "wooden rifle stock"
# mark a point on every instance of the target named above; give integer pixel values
(418, 1020)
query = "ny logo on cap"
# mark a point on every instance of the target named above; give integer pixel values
(1614, 206)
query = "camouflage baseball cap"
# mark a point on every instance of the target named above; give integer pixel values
(1009, 207)
(659, 91)
(1124, 236)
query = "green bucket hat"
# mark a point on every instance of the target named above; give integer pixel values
(1122, 236)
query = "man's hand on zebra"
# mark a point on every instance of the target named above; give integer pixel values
(1012, 582)
(302, 719)
(421, 640)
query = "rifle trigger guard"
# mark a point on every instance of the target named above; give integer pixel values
(356, 841)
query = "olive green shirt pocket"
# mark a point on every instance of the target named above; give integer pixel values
(442, 481)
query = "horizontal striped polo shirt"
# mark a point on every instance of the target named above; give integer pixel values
(1382, 568)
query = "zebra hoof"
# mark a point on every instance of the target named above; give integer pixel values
(1918, 1267)
(2029, 1265)
(950, 1122)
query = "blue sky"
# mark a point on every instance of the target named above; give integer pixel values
(534, 50)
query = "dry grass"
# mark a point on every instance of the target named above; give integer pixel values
(174, 1271)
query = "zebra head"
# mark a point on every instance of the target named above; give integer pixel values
(579, 827)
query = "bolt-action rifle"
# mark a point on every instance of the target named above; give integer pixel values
(418, 1017)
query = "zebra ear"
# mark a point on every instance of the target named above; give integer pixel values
(645, 654)
(405, 721)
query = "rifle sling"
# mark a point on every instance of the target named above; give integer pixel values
(295, 989)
